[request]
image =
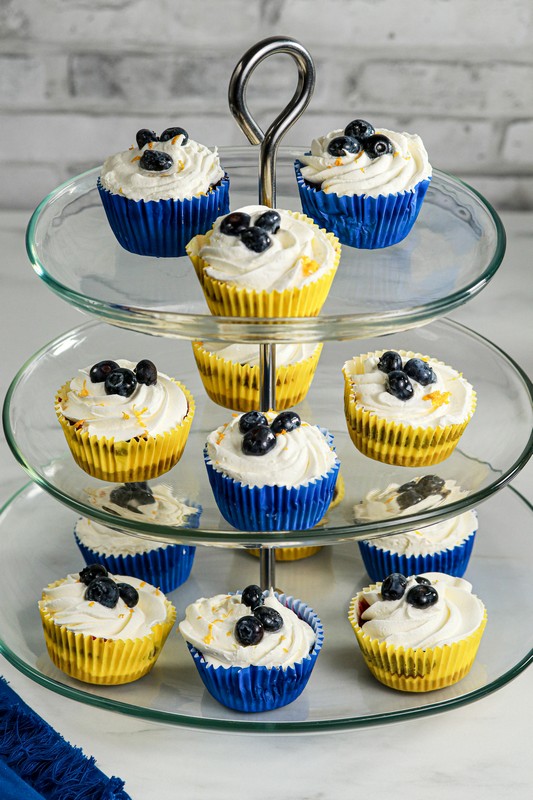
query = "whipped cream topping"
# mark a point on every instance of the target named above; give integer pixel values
(286, 354)
(432, 539)
(209, 626)
(448, 401)
(300, 253)
(165, 510)
(455, 615)
(194, 171)
(358, 174)
(299, 456)
(66, 605)
(383, 503)
(151, 410)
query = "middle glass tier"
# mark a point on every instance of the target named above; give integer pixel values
(495, 446)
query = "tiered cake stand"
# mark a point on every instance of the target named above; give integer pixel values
(454, 249)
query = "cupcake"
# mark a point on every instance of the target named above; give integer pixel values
(104, 629)
(271, 472)
(404, 408)
(230, 373)
(253, 651)
(257, 262)
(419, 633)
(164, 565)
(163, 192)
(125, 422)
(365, 185)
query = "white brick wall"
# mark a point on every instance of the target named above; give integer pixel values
(79, 77)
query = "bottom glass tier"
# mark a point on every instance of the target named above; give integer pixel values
(38, 547)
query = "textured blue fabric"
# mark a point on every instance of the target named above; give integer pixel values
(14, 788)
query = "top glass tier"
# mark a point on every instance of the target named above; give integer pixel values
(455, 248)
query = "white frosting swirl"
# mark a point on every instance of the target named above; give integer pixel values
(455, 615)
(151, 410)
(358, 174)
(67, 606)
(209, 626)
(448, 401)
(432, 539)
(195, 169)
(298, 456)
(286, 354)
(300, 253)
(383, 503)
(165, 510)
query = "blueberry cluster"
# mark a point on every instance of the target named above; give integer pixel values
(157, 160)
(132, 495)
(255, 237)
(122, 381)
(422, 595)
(104, 590)
(250, 629)
(413, 492)
(398, 383)
(258, 436)
(360, 135)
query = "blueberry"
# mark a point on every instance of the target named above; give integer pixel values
(256, 239)
(399, 385)
(269, 221)
(377, 145)
(390, 361)
(419, 371)
(144, 136)
(406, 486)
(393, 587)
(248, 631)
(156, 161)
(430, 484)
(259, 441)
(422, 596)
(132, 495)
(342, 145)
(169, 133)
(422, 581)
(286, 421)
(146, 372)
(251, 420)
(409, 498)
(121, 381)
(359, 129)
(270, 619)
(91, 572)
(128, 593)
(252, 596)
(235, 223)
(100, 371)
(103, 591)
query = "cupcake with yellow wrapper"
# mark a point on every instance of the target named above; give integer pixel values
(261, 262)
(230, 373)
(104, 629)
(125, 421)
(420, 633)
(404, 408)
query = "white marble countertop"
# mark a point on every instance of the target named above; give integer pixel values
(482, 748)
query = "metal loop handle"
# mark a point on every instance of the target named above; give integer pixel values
(270, 140)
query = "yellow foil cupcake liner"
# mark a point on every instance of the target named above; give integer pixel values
(236, 386)
(416, 670)
(107, 662)
(138, 459)
(227, 300)
(395, 443)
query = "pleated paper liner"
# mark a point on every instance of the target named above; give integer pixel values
(236, 386)
(138, 459)
(227, 300)
(106, 662)
(416, 670)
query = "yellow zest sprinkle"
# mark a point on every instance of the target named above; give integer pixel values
(362, 169)
(125, 416)
(358, 156)
(142, 583)
(438, 398)
(138, 415)
(338, 162)
(389, 500)
(235, 415)
(131, 610)
(418, 533)
(150, 145)
(120, 190)
(84, 392)
(121, 616)
(285, 650)
(228, 633)
(131, 147)
(199, 617)
(220, 437)
(181, 165)
(309, 266)
(209, 638)
(395, 154)
(175, 139)
(156, 592)
(330, 166)
(136, 158)
(91, 604)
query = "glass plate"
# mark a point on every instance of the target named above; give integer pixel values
(341, 692)
(452, 252)
(496, 444)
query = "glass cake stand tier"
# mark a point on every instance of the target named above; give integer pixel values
(341, 692)
(496, 445)
(454, 249)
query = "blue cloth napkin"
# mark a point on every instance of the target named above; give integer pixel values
(36, 763)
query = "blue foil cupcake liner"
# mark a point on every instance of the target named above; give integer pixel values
(364, 222)
(380, 563)
(254, 689)
(272, 508)
(162, 228)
